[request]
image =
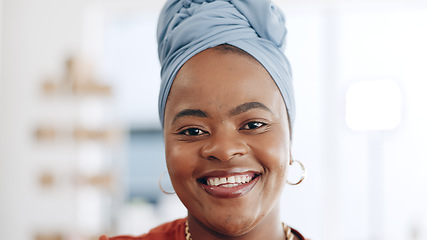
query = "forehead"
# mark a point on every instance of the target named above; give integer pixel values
(222, 78)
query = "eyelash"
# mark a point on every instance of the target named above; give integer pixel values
(200, 132)
(260, 125)
(187, 131)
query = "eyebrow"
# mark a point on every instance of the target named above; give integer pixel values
(233, 112)
(190, 112)
(248, 106)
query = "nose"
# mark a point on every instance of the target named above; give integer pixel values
(224, 146)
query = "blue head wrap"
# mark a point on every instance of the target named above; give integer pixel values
(187, 27)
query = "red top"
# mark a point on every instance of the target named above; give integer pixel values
(168, 231)
(173, 230)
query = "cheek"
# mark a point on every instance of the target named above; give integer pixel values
(273, 153)
(180, 160)
(275, 149)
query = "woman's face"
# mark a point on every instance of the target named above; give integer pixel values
(227, 141)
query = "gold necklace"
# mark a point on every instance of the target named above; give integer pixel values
(286, 229)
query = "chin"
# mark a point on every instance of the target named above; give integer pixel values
(234, 225)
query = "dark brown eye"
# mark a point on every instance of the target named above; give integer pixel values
(253, 125)
(192, 132)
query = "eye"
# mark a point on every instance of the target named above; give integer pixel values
(252, 125)
(192, 132)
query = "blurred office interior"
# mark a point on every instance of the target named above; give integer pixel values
(81, 145)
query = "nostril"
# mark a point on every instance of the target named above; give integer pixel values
(223, 148)
(224, 158)
(212, 158)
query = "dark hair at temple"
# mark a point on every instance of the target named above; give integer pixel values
(227, 48)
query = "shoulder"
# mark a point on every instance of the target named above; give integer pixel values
(172, 230)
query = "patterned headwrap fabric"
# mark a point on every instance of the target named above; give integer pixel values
(187, 27)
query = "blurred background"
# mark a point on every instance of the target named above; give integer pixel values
(81, 149)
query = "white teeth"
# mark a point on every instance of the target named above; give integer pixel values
(230, 185)
(229, 181)
(216, 183)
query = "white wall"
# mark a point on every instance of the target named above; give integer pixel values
(36, 37)
(1, 36)
(361, 185)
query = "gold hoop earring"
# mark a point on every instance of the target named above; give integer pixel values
(160, 185)
(303, 174)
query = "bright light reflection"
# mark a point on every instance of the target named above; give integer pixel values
(373, 105)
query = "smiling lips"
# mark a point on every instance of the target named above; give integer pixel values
(230, 186)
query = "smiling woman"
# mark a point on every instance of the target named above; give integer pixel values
(243, 134)
(226, 106)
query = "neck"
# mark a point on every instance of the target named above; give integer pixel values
(269, 227)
